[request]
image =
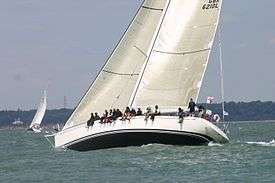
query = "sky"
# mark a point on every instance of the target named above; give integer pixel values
(61, 45)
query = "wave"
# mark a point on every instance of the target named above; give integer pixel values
(212, 144)
(271, 143)
(147, 145)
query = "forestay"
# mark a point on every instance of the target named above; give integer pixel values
(116, 81)
(40, 111)
(177, 63)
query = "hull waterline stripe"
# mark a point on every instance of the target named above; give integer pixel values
(205, 137)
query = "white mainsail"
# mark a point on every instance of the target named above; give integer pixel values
(179, 58)
(40, 111)
(116, 81)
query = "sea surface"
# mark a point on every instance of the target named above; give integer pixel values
(249, 157)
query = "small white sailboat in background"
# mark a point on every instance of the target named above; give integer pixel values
(18, 122)
(35, 124)
(57, 127)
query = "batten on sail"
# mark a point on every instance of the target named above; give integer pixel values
(180, 55)
(116, 81)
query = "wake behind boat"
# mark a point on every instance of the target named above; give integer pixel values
(39, 115)
(160, 60)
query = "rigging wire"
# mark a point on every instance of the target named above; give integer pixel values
(226, 126)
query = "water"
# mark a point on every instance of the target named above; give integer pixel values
(250, 157)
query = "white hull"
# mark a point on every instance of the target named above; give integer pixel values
(36, 130)
(164, 130)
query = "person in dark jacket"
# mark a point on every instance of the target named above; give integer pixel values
(191, 106)
(97, 116)
(180, 114)
(119, 113)
(139, 112)
(91, 121)
(133, 112)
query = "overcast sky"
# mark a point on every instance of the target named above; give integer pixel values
(64, 43)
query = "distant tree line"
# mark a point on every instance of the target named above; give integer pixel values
(238, 111)
(51, 116)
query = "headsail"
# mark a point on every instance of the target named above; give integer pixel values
(116, 81)
(180, 55)
(40, 111)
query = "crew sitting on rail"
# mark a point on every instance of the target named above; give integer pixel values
(181, 114)
(118, 114)
(127, 114)
(148, 113)
(139, 112)
(201, 111)
(104, 118)
(155, 113)
(96, 117)
(91, 121)
(110, 113)
(133, 112)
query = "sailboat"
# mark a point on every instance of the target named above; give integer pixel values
(160, 60)
(18, 122)
(39, 115)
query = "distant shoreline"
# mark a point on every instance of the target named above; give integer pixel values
(255, 111)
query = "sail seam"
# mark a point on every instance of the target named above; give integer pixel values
(121, 74)
(150, 8)
(182, 53)
(142, 52)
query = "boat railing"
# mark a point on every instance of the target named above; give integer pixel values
(84, 124)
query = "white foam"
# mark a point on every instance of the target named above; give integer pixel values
(211, 144)
(147, 145)
(271, 143)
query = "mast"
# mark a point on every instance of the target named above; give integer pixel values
(221, 73)
(131, 101)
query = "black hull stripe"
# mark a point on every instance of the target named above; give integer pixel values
(80, 143)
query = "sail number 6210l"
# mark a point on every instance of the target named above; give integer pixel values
(211, 4)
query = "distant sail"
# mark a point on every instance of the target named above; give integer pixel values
(179, 58)
(116, 81)
(40, 111)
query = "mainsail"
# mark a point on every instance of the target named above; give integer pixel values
(115, 83)
(40, 111)
(176, 65)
